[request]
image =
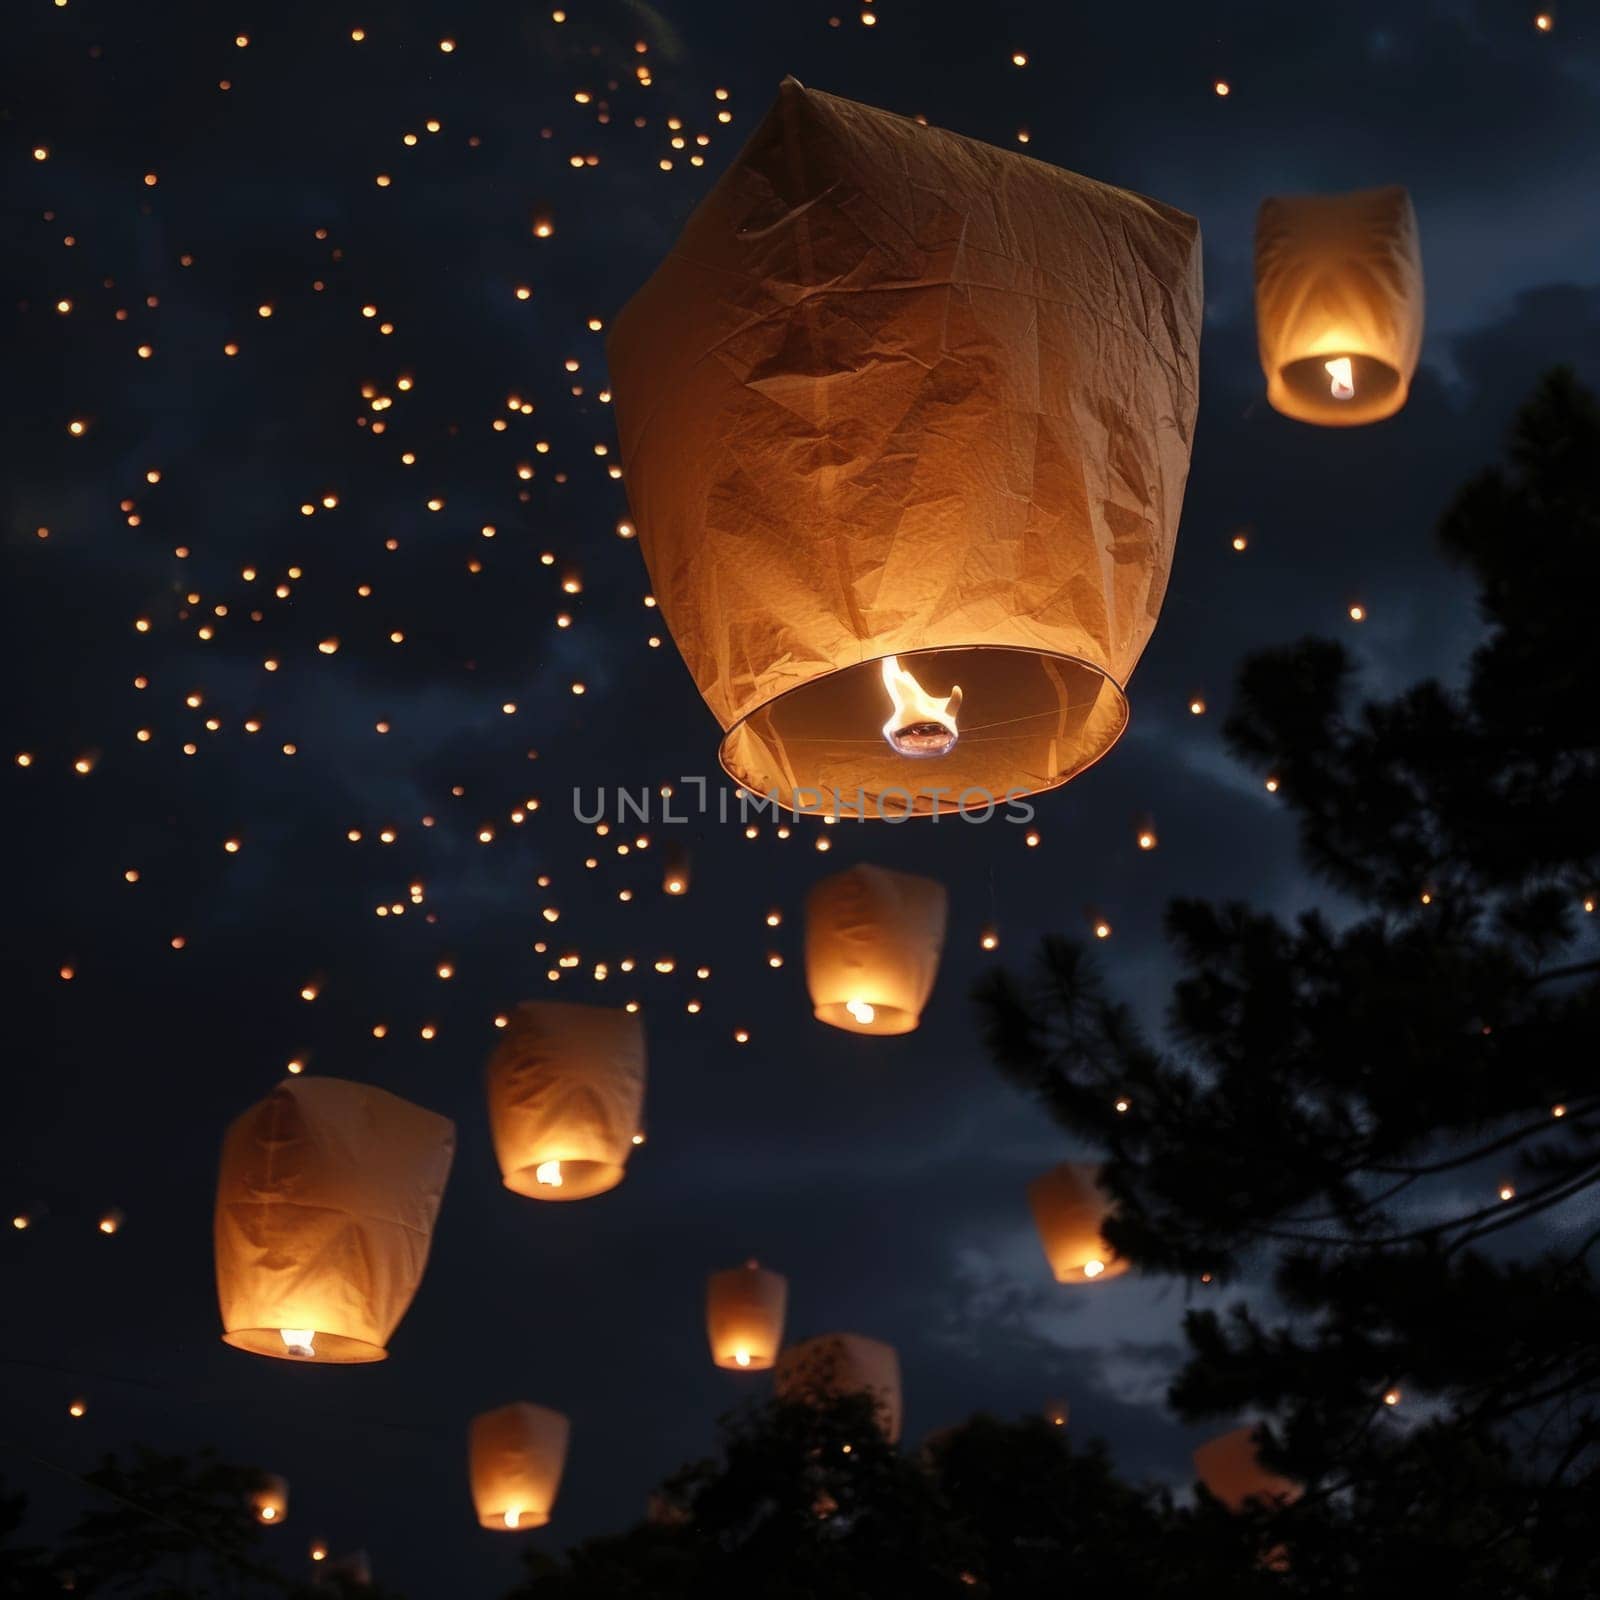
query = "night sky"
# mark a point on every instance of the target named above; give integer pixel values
(190, 180)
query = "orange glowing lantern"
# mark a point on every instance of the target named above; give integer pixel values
(873, 940)
(326, 1203)
(1068, 1210)
(516, 1455)
(844, 1363)
(566, 1094)
(905, 421)
(1231, 1470)
(744, 1316)
(269, 1500)
(1339, 304)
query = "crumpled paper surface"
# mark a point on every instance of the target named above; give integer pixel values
(897, 390)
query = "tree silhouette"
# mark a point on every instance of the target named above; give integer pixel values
(809, 1502)
(161, 1527)
(1392, 1104)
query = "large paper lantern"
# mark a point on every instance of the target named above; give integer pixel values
(325, 1209)
(1230, 1468)
(269, 1500)
(744, 1316)
(566, 1090)
(873, 939)
(1339, 304)
(517, 1454)
(1068, 1209)
(844, 1363)
(905, 422)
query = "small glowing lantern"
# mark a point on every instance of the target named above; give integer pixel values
(516, 1455)
(744, 1316)
(844, 1363)
(675, 870)
(905, 422)
(1068, 1209)
(873, 939)
(566, 1097)
(326, 1203)
(1339, 304)
(1229, 1467)
(1057, 1413)
(269, 1500)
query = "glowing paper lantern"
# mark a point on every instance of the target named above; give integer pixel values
(517, 1454)
(844, 1363)
(1230, 1468)
(905, 421)
(1068, 1209)
(744, 1316)
(873, 939)
(269, 1500)
(566, 1090)
(1339, 304)
(675, 870)
(325, 1209)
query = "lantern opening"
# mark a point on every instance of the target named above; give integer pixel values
(1093, 1268)
(267, 1513)
(331, 1349)
(513, 1516)
(920, 724)
(563, 1179)
(863, 1013)
(298, 1342)
(816, 747)
(515, 1519)
(741, 1358)
(1338, 389)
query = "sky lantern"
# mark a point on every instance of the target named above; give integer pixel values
(844, 1363)
(745, 1308)
(326, 1203)
(269, 1500)
(873, 939)
(675, 870)
(1230, 1468)
(1068, 1209)
(566, 1094)
(905, 421)
(516, 1457)
(1339, 304)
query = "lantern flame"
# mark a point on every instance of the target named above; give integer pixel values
(1093, 1269)
(297, 1341)
(268, 1513)
(1344, 380)
(513, 1516)
(921, 724)
(548, 1172)
(861, 1011)
(741, 1358)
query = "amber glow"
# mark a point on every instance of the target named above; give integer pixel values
(548, 1173)
(861, 1011)
(1093, 1268)
(919, 724)
(298, 1341)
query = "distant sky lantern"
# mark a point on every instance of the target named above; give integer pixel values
(566, 1097)
(326, 1203)
(269, 1500)
(852, 406)
(1229, 1467)
(745, 1309)
(1339, 304)
(844, 1363)
(1068, 1209)
(873, 941)
(675, 870)
(516, 1457)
